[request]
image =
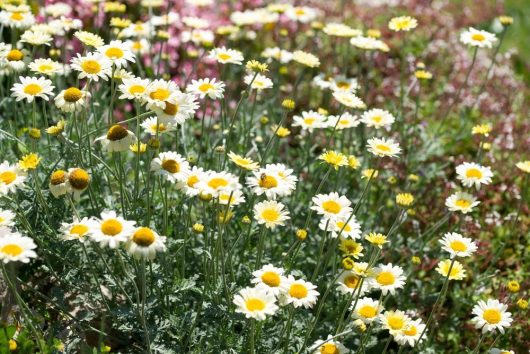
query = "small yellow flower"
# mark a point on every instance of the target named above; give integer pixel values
(283, 70)
(370, 173)
(119, 22)
(288, 104)
(351, 248)
(524, 166)
(416, 260)
(138, 149)
(162, 35)
(256, 66)
(513, 286)
(301, 234)
(347, 263)
(246, 220)
(105, 349)
(353, 163)
(29, 162)
(198, 228)
(264, 120)
(373, 33)
(414, 178)
(486, 146)
(56, 129)
(12, 345)
(376, 239)
(404, 199)
(113, 6)
(506, 20)
(282, 132)
(482, 129)
(423, 75)
(225, 216)
(243, 162)
(411, 212)
(402, 23)
(34, 133)
(335, 159)
(522, 303)
(392, 180)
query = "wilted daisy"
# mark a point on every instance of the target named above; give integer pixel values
(457, 270)
(110, 229)
(377, 118)
(207, 87)
(491, 315)
(332, 206)
(271, 214)
(462, 202)
(72, 99)
(309, 120)
(458, 245)
(117, 139)
(92, 66)
(473, 174)
(367, 309)
(349, 283)
(258, 81)
(274, 180)
(349, 99)
(383, 147)
(145, 243)
(58, 183)
(388, 278)
(477, 38)
(306, 59)
(170, 165)
(243, 162)
(78, 181)
(89, 39)
(226, 56)
(256, 303)
(269, 278)
(411, 333)
(45, 66)
(350, 229)
(30, 88)
(402, 23)
(7, 217)
(77, 230)
(117, 52)
(11, 178)
(16, 248)
(329, 346)
(212, 183)
(299, 293)
(394, 321)
(344, 121)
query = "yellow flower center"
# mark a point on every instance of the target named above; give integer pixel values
(462, 203)
(254, 304)
(385, 278)
(270, 215)
(217, 182)
(7, 177)
(136, 89)
(111, 227)
(479, 37)
(160, 94)
(33, 89)
(410, 330)
(396, 322)
(268, 182)
(171, 109)
(116, 132)
(79, 179)
(205, 87)
(17, 16)
(14, 55)
(458, 246)
(343, 85)
(224, 56)
(329, 348)
(492, 316)
(12, 250)
(271, 279)
(474, 173)
(341, 226)
(331, 206)
(72, 94)
(298, 291)
(91, 66)
(171, 166)
(45, 68)
(58, 177)
(80, 230)
(382, 147)
(367, 311)
(144, 237)
(377, 119)
(351, 281)
(309, 121)
(299, 12)
(192, 180)
(114, 53)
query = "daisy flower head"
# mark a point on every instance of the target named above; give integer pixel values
(462, 202)
(36, 38)
(133, 89)
(482, 129)
(154, 126)
(145, 243)
(281, 55)
(19, 18)
(344, 84)
(477, 38)
(340, 30)
(299, 293)
(7, 218)
(309, 120)
(214, 183)
(332, 206)
(232, 198)
(226, 56)
(452, 268)
(269, 278)
(89, 39)
(388, 278)
(377, 118)
(76, 230)
(523, 166)
(179, 107)
(29, 162)
(274, 180)
(411, 334)
(350, 248)
(271, 214)
(369, 43)
(394, 321)
(30, 88)
(350, 229)
(491, 315)
(458, 245)
(329, 346)
(344, 121)
(13, 59)
(45, 67)
(72, 99)
(303, 14)
(367, 309)
(77, 182)
(207, 87)
(16, 248)
(349, 283)
(58, 183)
(334, 159)
(258, 81)
(472, 174)
(110, 230)
(404, 199)
(243, 162)
(256, 303)
(402, 23)
(157, 93)
(191, 181)
(118, 53)
(11, 178)
(93, 66)
(117, 139)
(140, 46)
(171, 166)
(349, 99)
(306, 59)
(383, 147)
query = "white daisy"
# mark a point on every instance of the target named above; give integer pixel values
(349, 282)
(157, 93)
(191, 181)
(309, 121)
(110, 229)
(457, 271)
(17, 19)
(118, 53)
(394, 321)
(16, 248)
(117, 139)
(491, 315)
(45, 66)
(92, 66)
(301, 14)
(477, 38)
(344, 121)
(349, 99)
(78, 181)
(36, 38)
(226, 56)
(154, 126)
(72, 99)
(387, 278)
(298, 292)
(332, 206)
(383, 147)
(215, 182)
(462, 202)
(207, 87)
(411, 333)
(259, 82)
(283, 56)
(472, 174)
(369, 43)
(179, 108)
(11, 178)
(145, 243)
(366, 309)
(271, 214)
(170, 165)
(7, 218)
(342, 83)
(275, 180)
(256, 303)
(270, 278)
(350, 229)
(458, 245)
(76, 230)
(377, 118)
(30, 88)
(329, 346)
